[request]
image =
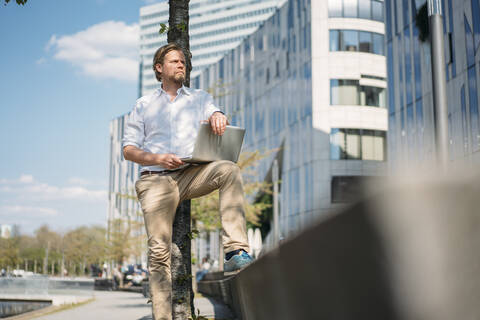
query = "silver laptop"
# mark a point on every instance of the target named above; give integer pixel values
(211, 147)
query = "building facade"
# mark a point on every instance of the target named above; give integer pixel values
(124, 212)
(411, 115)
(216, 26)
(309, 86)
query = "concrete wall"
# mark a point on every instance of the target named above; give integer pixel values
(409, 252)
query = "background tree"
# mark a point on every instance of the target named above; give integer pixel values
(9, 253)
(206, 209)
(126, 238)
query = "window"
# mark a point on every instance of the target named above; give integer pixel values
(363, 9)
(353, 40)
(334, 40)
(350, 92)
(472, 86)
(464, 121)
(408, 65)
(391, 84)
(378, 45)
(374, 97)
(347, 189)
(405, 11)
(476, 23)
(377, 10)
(388, 20)
(365, 39)
(350, 8)
(357, 144)
(350, 40)
(417, 63)
(344, 92)
(420, 125)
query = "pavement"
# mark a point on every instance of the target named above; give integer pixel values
(120, 305)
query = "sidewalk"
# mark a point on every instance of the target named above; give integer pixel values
(120, 305)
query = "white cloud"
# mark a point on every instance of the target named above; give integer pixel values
(26, 178)
(26, 187)
(30, 211)
(105, 50)
(79, 181)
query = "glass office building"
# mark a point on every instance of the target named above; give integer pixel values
(122, 204)
(310, 85)
(216, 26)
(411, 135)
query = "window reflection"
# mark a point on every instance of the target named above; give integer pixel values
(350, 92)
(350, 40)
(365, 39)
(334, 40)
(357, 144)
(350, 8)
(335, 8)
(377, 10)
(353, 40)
(378, 44)
(363, 9)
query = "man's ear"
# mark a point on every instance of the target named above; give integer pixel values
(158, 67)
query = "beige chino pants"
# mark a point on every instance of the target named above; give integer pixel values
(159, 196)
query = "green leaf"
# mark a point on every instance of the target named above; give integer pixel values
(163, 28)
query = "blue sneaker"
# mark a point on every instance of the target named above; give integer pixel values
(237, 262)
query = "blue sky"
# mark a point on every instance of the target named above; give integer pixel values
(67, 68)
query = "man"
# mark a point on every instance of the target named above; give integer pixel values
(160, 131)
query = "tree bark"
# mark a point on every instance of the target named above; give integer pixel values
(181, 263)
(178, 31)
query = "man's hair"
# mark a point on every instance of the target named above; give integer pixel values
(160, 56)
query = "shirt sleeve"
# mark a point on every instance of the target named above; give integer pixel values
(209, 107)
(134, 134)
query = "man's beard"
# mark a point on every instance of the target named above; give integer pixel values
(179, 78)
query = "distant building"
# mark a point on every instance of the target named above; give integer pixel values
(5, 231)
(123, 208)
(310, 83)
(215, 26)
(411, 135)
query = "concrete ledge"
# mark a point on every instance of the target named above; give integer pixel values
(217, 286)
(409, 253)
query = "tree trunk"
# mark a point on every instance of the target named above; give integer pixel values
(62, 266)
(178, 31)
(181, 265)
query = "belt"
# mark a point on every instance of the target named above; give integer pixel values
(160, 173)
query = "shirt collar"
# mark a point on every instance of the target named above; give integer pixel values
(182, 88)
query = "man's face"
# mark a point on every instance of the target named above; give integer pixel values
(173, 68)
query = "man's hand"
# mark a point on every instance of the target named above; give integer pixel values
(166, 160)
(169, 161)
(218, 122)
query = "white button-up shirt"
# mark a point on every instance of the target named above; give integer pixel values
(158, 125)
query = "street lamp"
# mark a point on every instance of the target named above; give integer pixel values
(439, 82)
